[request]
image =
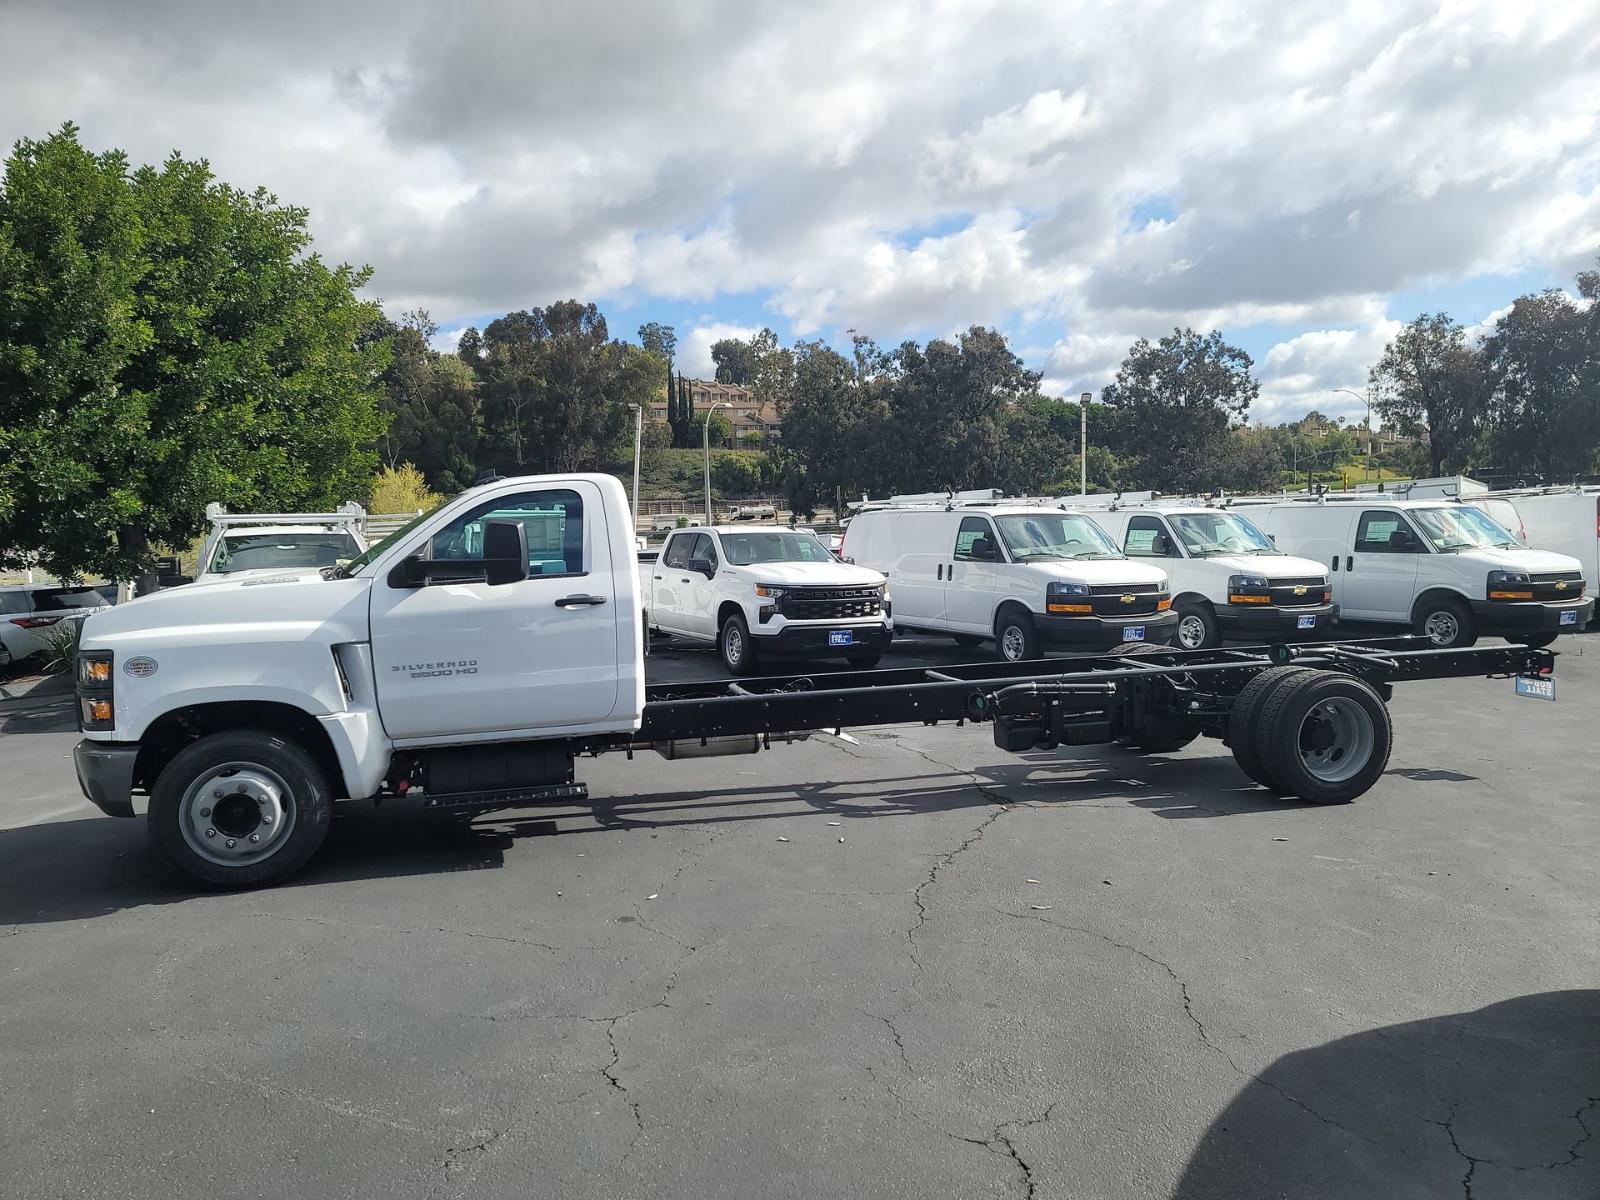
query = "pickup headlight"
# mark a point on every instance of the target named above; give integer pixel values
(771, 591)
(1510, 585)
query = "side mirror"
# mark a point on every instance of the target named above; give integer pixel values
(505, 552)
(702, 565)
(1400, 541)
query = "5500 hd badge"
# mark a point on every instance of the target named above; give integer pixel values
(467, 666)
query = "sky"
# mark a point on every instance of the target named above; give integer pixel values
(1303, 177)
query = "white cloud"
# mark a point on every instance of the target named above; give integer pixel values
(694, 347)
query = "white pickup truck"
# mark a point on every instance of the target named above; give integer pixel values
(471, 656)
(757, 592)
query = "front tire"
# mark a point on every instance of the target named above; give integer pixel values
(967, 640)
(240, 810)
(1446, 622)
(733, 642)
(1197, 627)
(1015, 637)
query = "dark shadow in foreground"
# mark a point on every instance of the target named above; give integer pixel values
(1501, 1103)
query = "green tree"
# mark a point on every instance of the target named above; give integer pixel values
(1544, 415)
(401, 489)
(1430, 383)
(1176, 402)
(432, 404)
(736, 475)
(167, 340)
(721, 428)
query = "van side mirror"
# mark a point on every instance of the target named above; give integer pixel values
(1401, 542)
(703, 565)
(505, 551)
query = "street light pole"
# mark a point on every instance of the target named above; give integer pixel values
(1083, 443)
(707, 447)
(1367, 400)
(638, 439)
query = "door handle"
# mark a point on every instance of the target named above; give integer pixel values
(1335, 564)
(939, 571)
(1349, 562)
(685, 579)
(658, 577)
(575, 601)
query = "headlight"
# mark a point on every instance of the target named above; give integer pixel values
(768, 589)
(1068, 589)
(1241, 583)
(94, 668)
(1496, 578)
(1510, 585)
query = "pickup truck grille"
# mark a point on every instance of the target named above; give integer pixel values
(1557, 585)
(830, 604)
(1135, 600)
(1287, 593)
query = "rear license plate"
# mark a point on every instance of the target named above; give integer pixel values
(1536, 689)
(1569, 618)
(841, 637)
(1133, 633)
(1308, 622)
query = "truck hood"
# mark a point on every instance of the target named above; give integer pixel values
(241, 603)
(1100, 571)
(794, 574)
(1273, 566)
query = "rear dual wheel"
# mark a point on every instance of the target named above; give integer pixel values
(1318, 735)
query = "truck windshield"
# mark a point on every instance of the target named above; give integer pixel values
(1034, 536)
(345, 570)
(1462, 529)
(1220, 533)
(742, 549)
(271, 551)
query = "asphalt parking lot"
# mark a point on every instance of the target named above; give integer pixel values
(899, 963)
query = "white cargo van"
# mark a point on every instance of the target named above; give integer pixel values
(1228, 579)
(1441, 567)
(1565, 520)
(1023, 574)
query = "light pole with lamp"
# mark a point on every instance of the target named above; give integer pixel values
(1367, 400)
(638, 438)
(1083, 443)
(707, 447)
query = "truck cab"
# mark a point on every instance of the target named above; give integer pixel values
(1228, 579)
(757, 592)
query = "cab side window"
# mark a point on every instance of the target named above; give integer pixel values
(553, 520)
(705, 547)
(1375, 534)
(677, 552)
(975, 541)
(1147, 538)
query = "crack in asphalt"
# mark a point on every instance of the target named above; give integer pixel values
(894, 1032)
(1448, 1125)
(610, 1072)
(1194, 1018)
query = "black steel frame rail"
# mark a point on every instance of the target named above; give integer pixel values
(828, 700)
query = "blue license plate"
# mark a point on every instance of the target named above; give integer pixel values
(841, 637)
(1536, 689)
(1569, 618)
(1308, 622)
(1133, 633)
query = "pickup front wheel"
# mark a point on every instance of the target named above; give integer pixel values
(240, 810)
(738, 653)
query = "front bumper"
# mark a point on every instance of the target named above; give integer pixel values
(815, 640)
(1101, 633)
(1267, 621)
(1511, 617)
(105, 773)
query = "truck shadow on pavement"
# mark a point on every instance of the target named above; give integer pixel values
(1500, 1101)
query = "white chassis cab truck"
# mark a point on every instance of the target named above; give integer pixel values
(470, 657)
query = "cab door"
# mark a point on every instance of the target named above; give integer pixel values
(667, 581)
(459, 658)
(972, 574)
(1380, 568)
(697, 606)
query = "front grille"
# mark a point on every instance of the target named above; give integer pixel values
(1283, 592)
(1555, 585)
(1141, 605)
(830, 604)
(1120, 589)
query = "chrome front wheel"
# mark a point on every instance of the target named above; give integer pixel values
(237, 814)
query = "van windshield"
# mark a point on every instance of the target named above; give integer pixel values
(1462, 529)
(1035, 536)
(1220, 533)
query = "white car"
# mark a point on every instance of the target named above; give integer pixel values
(29, 611)
(1441, 567)
(1021, 574)
(1228, 579)
(757, 592)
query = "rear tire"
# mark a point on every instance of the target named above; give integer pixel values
(1197, 627)
(967, 640)
(1327, 737)
(1014, 635)
(733, 642)
(1446, 622)
(1244, 723)
(1164, 732)
(219, 793)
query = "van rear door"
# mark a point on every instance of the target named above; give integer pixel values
(913, 549)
